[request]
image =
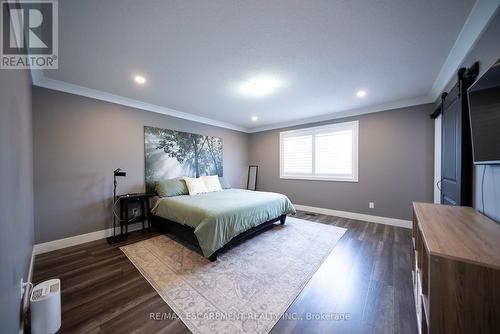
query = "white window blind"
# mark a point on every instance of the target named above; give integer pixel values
(327, 152)
(297, 152)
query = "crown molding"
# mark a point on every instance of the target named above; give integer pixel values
(41, 81)
(347, 113)
(480, 16)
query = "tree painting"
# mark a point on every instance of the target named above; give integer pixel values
(171, 154)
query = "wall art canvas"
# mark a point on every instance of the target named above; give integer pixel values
(170, 154)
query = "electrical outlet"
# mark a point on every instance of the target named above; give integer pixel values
(371, 205)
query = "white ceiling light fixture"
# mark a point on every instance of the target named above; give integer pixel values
(254, 118)
(259, 86)
(140, 79)
(361, 93)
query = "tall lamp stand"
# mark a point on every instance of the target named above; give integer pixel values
(116, 172)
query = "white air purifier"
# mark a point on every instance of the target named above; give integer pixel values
(45, 302)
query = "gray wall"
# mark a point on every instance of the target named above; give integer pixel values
(395, 165)
(486, 51)
(79, 141)
(16, 199)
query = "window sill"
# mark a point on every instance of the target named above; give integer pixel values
(308, 178)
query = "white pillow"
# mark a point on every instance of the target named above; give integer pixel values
(211, 183)
(195, 185)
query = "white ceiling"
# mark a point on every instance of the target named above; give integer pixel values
(194, 54)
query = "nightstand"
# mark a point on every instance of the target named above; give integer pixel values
(125, 202)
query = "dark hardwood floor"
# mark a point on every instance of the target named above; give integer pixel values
(366, 279)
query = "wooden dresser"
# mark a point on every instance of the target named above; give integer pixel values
(456, 270)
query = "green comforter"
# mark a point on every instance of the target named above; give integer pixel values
(217, 217)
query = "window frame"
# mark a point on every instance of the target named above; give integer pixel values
(352, 125)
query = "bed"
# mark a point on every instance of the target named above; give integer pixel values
(214, 221)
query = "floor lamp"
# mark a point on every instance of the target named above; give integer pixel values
(116, 172)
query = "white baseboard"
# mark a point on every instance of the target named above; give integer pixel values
(79, 239)
(357, 216)
(83, 238)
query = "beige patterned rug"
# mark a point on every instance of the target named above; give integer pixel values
(248, 288)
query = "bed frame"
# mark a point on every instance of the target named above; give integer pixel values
(187, 232)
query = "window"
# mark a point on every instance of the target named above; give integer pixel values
(327, 152)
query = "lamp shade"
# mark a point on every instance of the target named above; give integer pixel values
(119, 172)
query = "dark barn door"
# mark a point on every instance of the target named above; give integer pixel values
(456, 147)
(450, 150)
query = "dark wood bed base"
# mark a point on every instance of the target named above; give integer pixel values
(187, 233)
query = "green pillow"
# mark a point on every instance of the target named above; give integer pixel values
(171, 187)
(224, 183)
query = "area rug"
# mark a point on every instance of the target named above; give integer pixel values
(248, 288)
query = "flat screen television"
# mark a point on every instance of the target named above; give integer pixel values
(484, 109)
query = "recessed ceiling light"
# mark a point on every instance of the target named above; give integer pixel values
(259, 86)
(254, 118)
(140, 79)
(361, 93)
